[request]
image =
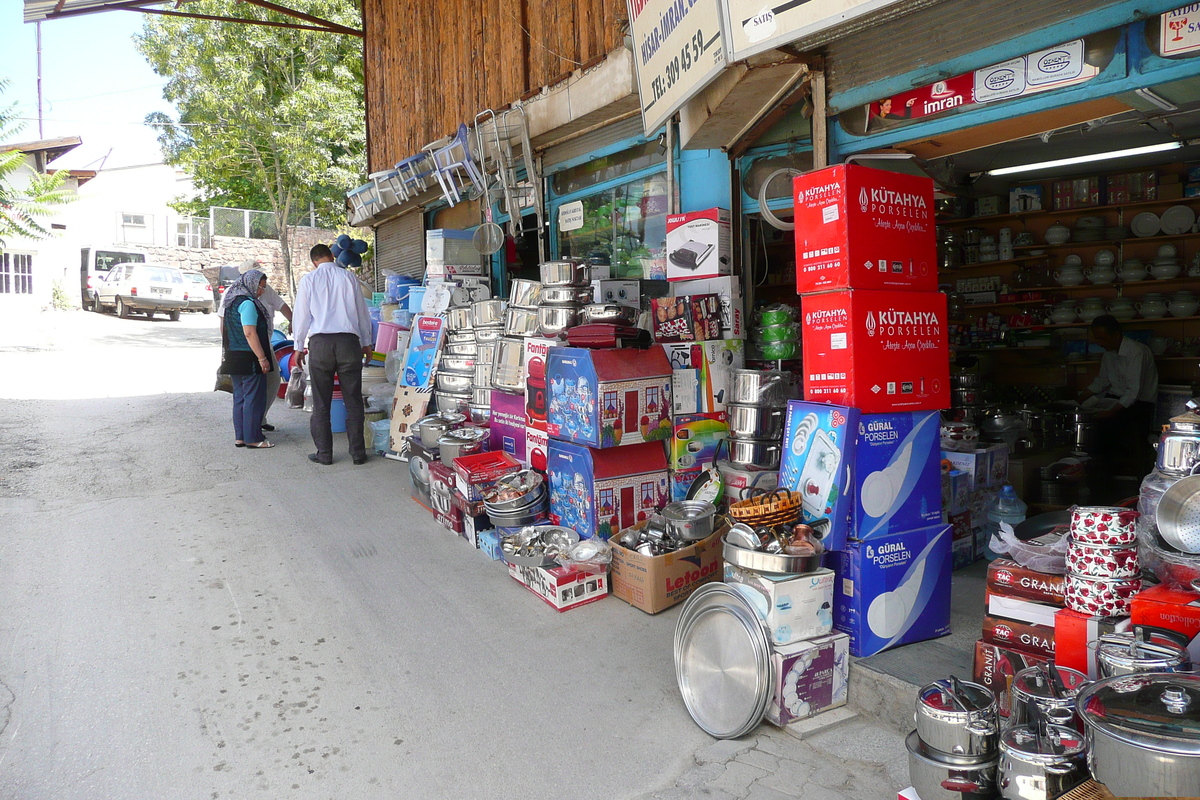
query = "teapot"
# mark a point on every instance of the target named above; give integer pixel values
(1165, 272)
(1069, 276)
(1101, 274)
(1152, 307)
(1121, 304)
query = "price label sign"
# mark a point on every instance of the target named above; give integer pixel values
(755, 26)
(678, 48)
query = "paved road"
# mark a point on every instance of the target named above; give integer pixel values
(183, 619)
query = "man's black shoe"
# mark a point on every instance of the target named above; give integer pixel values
(316, 459)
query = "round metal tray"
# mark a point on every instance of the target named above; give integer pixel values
(775, 563)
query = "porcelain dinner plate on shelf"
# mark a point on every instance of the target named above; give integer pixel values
(1177, 220)
(1145, 224)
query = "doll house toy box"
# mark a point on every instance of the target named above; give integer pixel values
(601, 492)
(608, 398)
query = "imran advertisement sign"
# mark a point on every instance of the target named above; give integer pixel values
(1036, 72)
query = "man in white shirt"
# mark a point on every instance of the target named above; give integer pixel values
(332, 329)
(1128, 381)
(274, 304)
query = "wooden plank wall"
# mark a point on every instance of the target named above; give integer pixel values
(432, 64)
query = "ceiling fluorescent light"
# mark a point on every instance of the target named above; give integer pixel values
(1066, 162)
(1153, 97)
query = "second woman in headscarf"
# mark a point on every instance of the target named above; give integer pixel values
(245, 344)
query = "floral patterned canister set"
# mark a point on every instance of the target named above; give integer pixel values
(1103, 570)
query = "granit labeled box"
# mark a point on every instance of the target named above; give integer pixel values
(863, 228)
(995, 665)
(876, 351)
(1010, 579)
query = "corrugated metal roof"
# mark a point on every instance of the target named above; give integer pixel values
(38, 10)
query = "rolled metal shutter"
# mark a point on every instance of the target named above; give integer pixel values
(590, 142)
(400, 245)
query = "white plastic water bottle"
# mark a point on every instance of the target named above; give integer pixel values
(1007, 508)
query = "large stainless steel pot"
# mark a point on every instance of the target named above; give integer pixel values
(460, 365)
(460, 348)
(1052, 689)
(457, 402)
(1143, 649)
(459, 319)
(690, 520)
(1143, 734)
(521, 321)
(754, 387)
(958, 718)
(553, 320)
(461, 442)
(434, 426)
(565, 273)
(937, 778)
(755, 422)
(488, 313)
(524, 293)
(566, 295)
(508, 364)
(453, 381)
(610, 313)
(754, 453)
(488, 335)
(1041, 762)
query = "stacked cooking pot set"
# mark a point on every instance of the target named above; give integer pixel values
(679, 524)
(445, 436)
(517, 500)
(1169, 526)
(756, 410)
(463, 380)
(1137, 732)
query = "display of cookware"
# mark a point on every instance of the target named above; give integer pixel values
(1178, 515)
(520, 321)
(938, 777)
(754, 453)
(1052, 689)
(460, 365)
(508, 364)
(488, 313)
(480, 415)
(434, 426)
(1178, 452)
(460, 348)
(1143, 734)
(1103, 525)
(1144, 649)
(1105, 597)
(753, 387)
(566, 295)
(690, 520)
(609, 312)
(565, 273)
(553, 320)
(488, 335)
(461, 442)
(1103, 560)
(742, 546)
(755, 422)
(537, 546)
(457, 402)
(958, 718)
(524, 294)
(1041, 761)
(453, 381)
(459, 319)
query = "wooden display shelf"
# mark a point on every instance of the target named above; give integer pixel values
(1109, 243)
(1086, 211)
(1006, 263)
(1130, 323)
(1083, 287)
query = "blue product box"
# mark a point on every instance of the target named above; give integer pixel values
(818, 449)
(489, 544)
(681, 482)
(897, 473)
(608, 398)
(601, 492)
(893, 590)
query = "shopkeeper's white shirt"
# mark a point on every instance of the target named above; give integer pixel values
(1128, 373)
(329, 301)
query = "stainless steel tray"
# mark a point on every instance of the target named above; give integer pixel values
(779, 564)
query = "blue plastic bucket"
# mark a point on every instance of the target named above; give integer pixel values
(416, 296)
(337, 415)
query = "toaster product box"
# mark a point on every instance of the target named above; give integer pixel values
(893, 590)
(818, 450)
(1075, 635)
(686, 318)
(507, 425)
(896, 473)
(995, 666)
(608, 398)
(1035, 639)
(598, 492)
(655, 583)
(701, 373)
(629, 293)
(1172, 609)
(810, 677)
(728, 289)
(795, 607)
(561, 588)
(864, 228)
(537, 394)
(1010, 579)
(698, 244)
(877, 351)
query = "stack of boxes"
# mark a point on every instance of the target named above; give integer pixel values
(970, 482)
(863, 447)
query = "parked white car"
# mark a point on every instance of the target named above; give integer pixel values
(146, 288)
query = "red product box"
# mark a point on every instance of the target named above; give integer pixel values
(995, 667)
(1010, 579)
(441, 497)
(475, 473)
(562, 588)
(960, 525)
(863, 228)
(687, 318)
(1174, 609)
(1076, 633)
(876, 351)
(1035, 639)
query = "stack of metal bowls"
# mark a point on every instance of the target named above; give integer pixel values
(452, 382)
(566, 289)
(756, 410)
(954, 752)
(517, 500)
(488, 317)
(520, 322)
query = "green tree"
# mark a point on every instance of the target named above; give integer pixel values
(268, 118)
(22, 209)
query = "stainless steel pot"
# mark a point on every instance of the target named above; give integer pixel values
(1041, 762)
(755, 422)
(553, 320)
(690, 520)
(457, 402)
(461, 365)
(1143, 734)
(958, 718)
(610, 313)
(754, 387)
(943, 779)
(1136, 651)
(481, 396)
(460, 348)
(565, 273)
(483, 374)
(488, 313)
(521, 321)
(508, 365)
(459, 319)
(524, 294)
(566, 295)
(488, 335)
(461, 442)
(480, 415)
(1178, 452)
(453, 381)
(1052, 689)
(434, 426)
(756, 453)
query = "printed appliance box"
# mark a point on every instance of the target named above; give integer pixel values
(1075, 635)
(562, 588)
(896, 473)
(795, 607)
(698, 244)
(893, 590)
(818, 450)
(863, 228)
(608, 398)
(536, 393)
(984, 467)
(600, 492)
(995, 666)
(701, 373)
(654, 583)
(695, 438)
(810, 677)
(507, 425)
(733, 307)
(1009, 579)
(441, 497)
(877, 351)
(480, 471)
(686, 318)
(537, 448)
(1035, 639)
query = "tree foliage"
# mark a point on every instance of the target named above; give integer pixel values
(268, 118)
(22, 209)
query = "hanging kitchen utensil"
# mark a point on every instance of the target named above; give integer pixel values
(488, 238)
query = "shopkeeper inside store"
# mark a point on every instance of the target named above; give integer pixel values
(1124, 393)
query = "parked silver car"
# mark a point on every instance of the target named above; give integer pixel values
(147, 288)
(199, 292)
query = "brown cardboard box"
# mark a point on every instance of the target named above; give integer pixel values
(654, 583)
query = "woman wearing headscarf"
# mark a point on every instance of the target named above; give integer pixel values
(246, 342)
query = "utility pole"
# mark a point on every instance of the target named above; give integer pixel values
(38, 33)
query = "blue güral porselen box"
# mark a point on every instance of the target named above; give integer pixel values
(893, 590)
(896, 473)
(818, 450)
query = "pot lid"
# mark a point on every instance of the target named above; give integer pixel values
(465, 436)
(723, 662)
(442, 419)
(955, 695)
(1137, 653)
(1038, 681)
(1157, 711)
(1056, 743)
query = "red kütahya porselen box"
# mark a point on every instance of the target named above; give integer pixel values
(864, 228)
(876, 351)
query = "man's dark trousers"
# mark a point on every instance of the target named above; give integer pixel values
(340, 353)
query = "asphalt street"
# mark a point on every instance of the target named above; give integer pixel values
(183, 619)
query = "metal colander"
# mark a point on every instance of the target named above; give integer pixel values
(1178, 515)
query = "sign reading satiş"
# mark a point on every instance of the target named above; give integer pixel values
(677, 50)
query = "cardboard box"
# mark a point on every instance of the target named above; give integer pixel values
(1020, 610)
(681, 481)
(470, 508)
(561, 588)
(960, 525)
(896, 473)
(877, 351)
(701, 373)
(864, 228)
(989, 205)
(600, 492)
(1035, 639)
(449, 246)
(956, 492)
(728, 290)
(818, 446)
(795, 607)
(893, 590)
(962, 552)
(537, 448)
(995, 667)
(478, 472)
(1073, 634)
(686, 318)
(1077, 193)
(537, 397)
(1025, 198)
(441, 497)
(631, 294)
(475, 525)
(698, 244)
(1173, 609)
(810, 677)
(695, 439)
(1010, 579)
(608, 398)
(507, 425)
(985, 467)
(655, 583)
(489, 544)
